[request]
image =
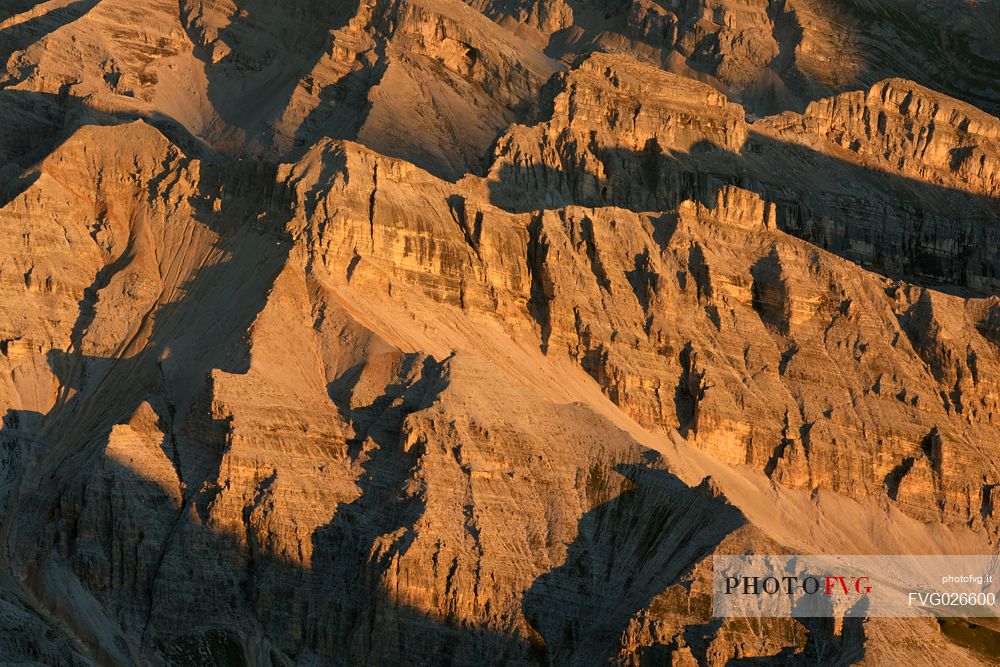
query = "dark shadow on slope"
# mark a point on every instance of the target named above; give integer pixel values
(384, 504)
(897, 41)
(343, 105)
(892, 41)
(261, 81)
(13, 182)
(213, 597)
(826, 643)
(629, 548)
(22, 35)
(35, 124)
(110, 519)
(540, 290)
(237, 590)
(787, 34)
(12, 8)
(189, 337)
(271, 49)
(690, 391)
(890, 224)
(351, 555)
(204, 329)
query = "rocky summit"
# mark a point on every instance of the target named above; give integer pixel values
(467, 332)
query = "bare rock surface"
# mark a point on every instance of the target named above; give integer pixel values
(897, 178)
(413, 332)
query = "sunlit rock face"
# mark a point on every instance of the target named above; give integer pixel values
(444, 332)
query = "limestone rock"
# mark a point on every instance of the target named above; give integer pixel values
(409, 332)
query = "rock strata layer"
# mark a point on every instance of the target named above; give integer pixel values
(402, 332)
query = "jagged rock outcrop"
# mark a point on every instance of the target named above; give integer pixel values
(431, 81)
(344, 400)
(899, 178)
(351, 443)
(778, 55)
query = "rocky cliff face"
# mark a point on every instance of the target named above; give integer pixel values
(776, 55)
(396, 332)
(898, 178)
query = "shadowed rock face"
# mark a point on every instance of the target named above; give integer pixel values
(442, 332)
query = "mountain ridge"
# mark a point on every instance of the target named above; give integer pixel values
(487, 381)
